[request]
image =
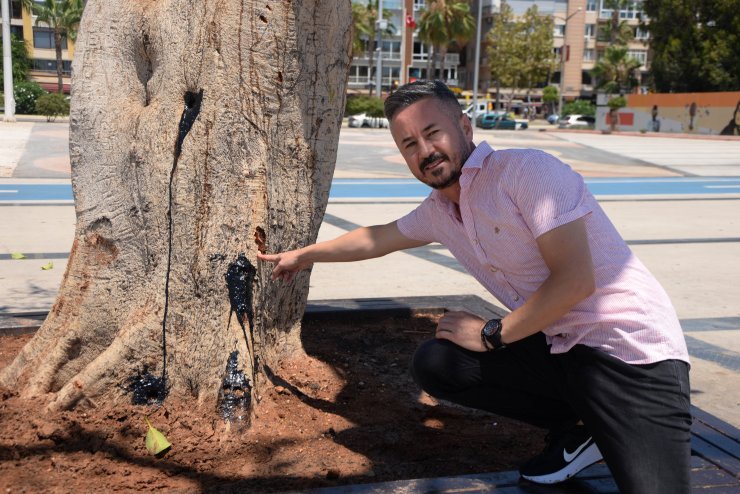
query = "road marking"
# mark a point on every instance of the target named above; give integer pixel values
(722, 186)
(8, 191)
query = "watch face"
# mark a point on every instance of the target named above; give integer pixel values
(491, 327)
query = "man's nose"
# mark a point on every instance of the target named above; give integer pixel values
(426, 149)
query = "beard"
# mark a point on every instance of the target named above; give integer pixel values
(442, 178)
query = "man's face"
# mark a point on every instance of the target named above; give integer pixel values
(434, 139)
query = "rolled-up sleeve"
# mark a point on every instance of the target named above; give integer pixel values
(549, 194)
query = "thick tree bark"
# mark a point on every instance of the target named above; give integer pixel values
(199, 131)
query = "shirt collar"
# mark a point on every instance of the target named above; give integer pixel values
(472, 164)
(478, 156)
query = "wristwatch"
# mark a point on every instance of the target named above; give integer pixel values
(490, 335)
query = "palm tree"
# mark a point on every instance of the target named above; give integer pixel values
(618, 32)
(362, 26)
(444, 22)
(364, 17)
(615, 71)
(63, 17)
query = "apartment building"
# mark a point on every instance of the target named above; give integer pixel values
(577, 41)
(41, 48)
(403, 57)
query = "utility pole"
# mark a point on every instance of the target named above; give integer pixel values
(380, 26)
(476, 69)
(9, 115)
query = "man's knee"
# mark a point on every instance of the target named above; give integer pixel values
(439, 367)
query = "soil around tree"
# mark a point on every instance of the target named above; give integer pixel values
(347, 412)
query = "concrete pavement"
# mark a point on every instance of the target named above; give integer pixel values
(691, 244)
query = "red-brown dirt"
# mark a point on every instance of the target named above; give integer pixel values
(348, 413)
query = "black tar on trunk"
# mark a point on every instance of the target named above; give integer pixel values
(235, 396)
(239, 279)
(146, 389)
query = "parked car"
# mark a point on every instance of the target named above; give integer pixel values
(496, 121)
(364, 120)
(577, 122)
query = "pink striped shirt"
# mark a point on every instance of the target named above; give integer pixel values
(509, 198)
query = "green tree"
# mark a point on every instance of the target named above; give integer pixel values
(520, 52)
(615, 71)
(21, 60)
(579, 107)
(695, 44)
(63, 17)
(538, 60)
(446, 22)
(550, 96)
(504, 48)
(362, 27)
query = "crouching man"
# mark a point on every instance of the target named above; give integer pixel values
(592, 349)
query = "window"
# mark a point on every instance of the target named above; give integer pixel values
(16, 11)
(419, 4)
(51, 66)
(640, 55)
(590, 31)
(632, 10)
(641, 33)
(391, 50)
(558, 30)
(420, 51)
(588, 55)
(17, 31)
(591, 5)
(44, 38)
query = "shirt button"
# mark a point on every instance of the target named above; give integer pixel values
(493, 270)
(516, 298)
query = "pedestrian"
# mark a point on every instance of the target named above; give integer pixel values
(592, 349)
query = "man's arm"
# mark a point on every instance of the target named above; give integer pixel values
(566, 252)
(362, 243)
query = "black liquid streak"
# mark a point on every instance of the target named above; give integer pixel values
(235, 396)
(189, 114)
(239, 280)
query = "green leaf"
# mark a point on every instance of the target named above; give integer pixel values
(17, 255)
(156, 443)
(49, 265)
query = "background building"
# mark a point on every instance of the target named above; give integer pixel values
(41, 48)
(361, 76)
(578, 41)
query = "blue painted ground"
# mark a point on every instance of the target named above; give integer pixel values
(409, 188)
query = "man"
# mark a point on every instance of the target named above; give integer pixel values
(592, 348)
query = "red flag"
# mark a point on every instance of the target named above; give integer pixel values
(410, 22)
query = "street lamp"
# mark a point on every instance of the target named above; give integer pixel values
(563, 51)
(380, 25)
(476, 69)
(9, 112)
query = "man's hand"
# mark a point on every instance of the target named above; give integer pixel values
(463, 329)
(287, 264)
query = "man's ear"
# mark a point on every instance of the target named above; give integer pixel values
(467, 126)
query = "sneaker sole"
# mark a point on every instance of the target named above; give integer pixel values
(588, 457)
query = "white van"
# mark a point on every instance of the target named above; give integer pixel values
(482, 108)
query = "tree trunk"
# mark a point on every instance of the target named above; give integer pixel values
(201, 132)
(60, 63)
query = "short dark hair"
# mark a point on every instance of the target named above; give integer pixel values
(410, 93)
